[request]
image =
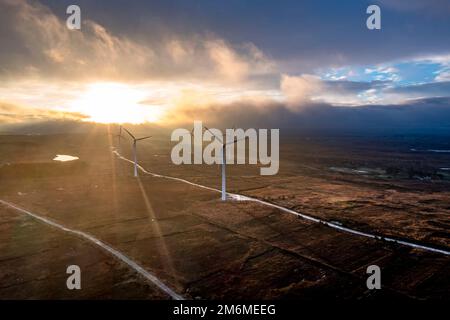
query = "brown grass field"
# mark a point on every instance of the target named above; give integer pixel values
(204, 248)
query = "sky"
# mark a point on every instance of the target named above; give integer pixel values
(298, 63)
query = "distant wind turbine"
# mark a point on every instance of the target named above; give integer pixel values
(120, 137)
(135, 140)
(224, 163)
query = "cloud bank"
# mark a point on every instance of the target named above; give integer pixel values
(40, 45)
(221, 61)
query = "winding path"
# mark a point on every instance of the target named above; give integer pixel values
(304, 216)
(136, 267)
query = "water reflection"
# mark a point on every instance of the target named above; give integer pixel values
(64, 158)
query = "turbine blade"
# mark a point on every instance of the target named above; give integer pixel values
(217, 137)
(129, 133)
(236, 140)
(143, 138)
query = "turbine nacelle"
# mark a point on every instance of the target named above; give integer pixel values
(224, 161)
(135, 140)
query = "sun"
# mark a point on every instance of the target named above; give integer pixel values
(116, 103)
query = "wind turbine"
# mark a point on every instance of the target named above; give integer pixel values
(120, 137)
(224, 162)
(135, 140)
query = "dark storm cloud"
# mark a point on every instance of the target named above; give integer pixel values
(263, 42)
(431, 115)
(438, 7)
(353, 87)
(386, 90)
(438, 89)
(421, 116)
(301, 35)
(36, 42)
(145, 38)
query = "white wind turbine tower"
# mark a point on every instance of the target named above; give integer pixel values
(135, 140)
(224, 163)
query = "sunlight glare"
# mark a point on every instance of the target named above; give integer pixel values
(116, 103)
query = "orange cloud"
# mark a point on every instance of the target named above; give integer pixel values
(298, 90)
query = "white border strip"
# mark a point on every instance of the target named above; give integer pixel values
(304, 216)
(104, 246)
